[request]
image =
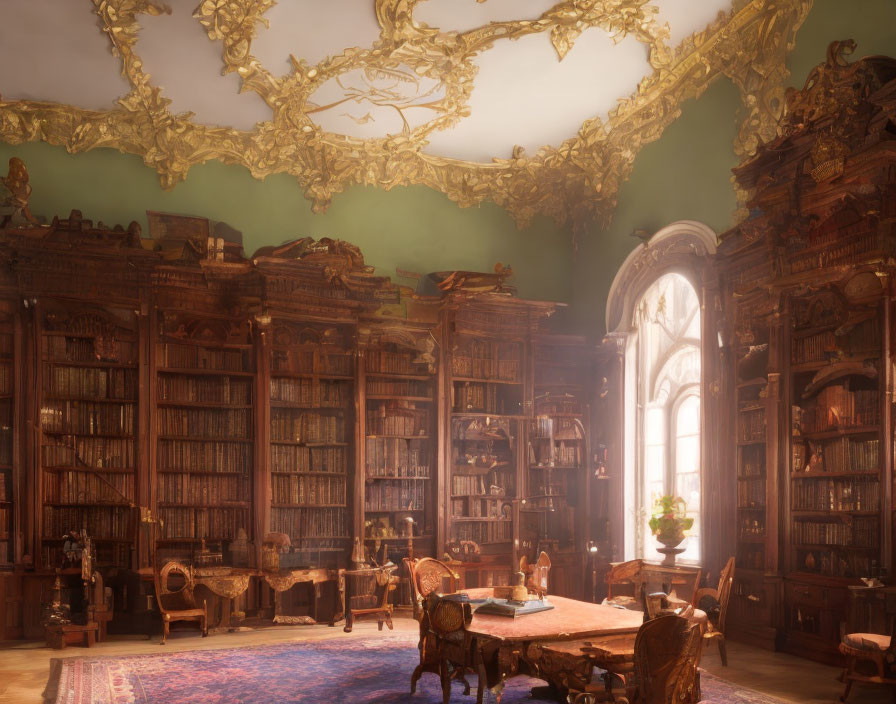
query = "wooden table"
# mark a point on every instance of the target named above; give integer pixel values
(285, 580)
(225, 582)
(506, 647)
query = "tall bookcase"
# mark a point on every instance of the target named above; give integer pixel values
(556, 516)
(204, 423)
(7, 440)
(809, 300)
(88, 421)
(312, 428)
(399, 448)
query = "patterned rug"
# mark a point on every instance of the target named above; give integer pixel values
(371, 671)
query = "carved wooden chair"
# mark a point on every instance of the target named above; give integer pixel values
(100, 606)
(666, 657)
(871, 657)
(626, 575)
(537, 574)
(429, 576)
(367, 593)
(714, 602)
(179, 604)
(447, 622)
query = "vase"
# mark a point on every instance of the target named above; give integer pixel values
(670, 549)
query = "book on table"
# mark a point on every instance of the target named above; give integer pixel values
(512, 609)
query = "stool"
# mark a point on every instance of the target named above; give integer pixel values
(59, 636)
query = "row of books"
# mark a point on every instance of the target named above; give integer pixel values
(206, 422)
(293, 458)
(202, 489)
(213, 523)
(751, 425)
(114, 522)
(305, 490)
(294, 426)
(750, 557)
(397, 421)
(474, 484)
(751, 494)
(390, 457)
(6, 344)
(752, 461)
(310, 392)
(387, 362)
(398, 387)
(118, 554)
(563, 455)
(486, 369)
(483, 532)
(312, 361)
(236, 391)
(6, 445)
(835, 495)
(397, 495)
(204, 455)
(558, 376)
(475, 398)
(177, 356)
(5, 516)
(310, 522)
(5, 489)
(859, 533)
(79, 450)
(836, 406)
(88, 487)
(475, 507)
(863, 339)
(90, 382)
(839, 455)
(566, 404)
(88, 418)
(60, 348)
(6, 377)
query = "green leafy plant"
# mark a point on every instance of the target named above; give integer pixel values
(669, 519)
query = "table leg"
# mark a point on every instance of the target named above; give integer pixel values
(226, 609)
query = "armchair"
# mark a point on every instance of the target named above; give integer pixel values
(870, 657)
(714, 601)
(179, 604)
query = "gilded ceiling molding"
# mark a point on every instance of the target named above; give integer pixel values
(574, 183)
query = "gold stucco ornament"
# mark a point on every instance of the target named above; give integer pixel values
(414, 67)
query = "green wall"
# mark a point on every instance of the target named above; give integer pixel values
(412, 228)
(686, 174)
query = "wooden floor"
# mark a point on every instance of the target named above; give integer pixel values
(24, 667)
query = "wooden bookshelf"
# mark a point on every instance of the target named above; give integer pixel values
(88, 421)
(7, 439)
(399, 445)
(311, 433)
(204, 423)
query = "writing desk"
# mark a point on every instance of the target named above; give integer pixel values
(506, 647)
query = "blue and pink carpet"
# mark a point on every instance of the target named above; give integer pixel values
(370, 671)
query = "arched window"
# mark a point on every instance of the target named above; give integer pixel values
(664, 361)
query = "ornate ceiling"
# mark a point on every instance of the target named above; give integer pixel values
(537, 105)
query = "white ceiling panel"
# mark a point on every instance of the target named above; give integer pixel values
(178, 55)
(54, 50)
(313, 30)
(523, 95)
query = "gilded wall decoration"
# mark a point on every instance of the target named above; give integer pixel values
(413, 65)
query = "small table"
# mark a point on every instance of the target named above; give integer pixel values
(506, 647)
(285, 580)
(225, 582)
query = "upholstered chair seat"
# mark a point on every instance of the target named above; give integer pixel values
(866, 641)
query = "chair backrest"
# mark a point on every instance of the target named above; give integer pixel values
(180, 599)
(667, 653)
(624, 573)
(537, 574)
(726, 582)
(447, 616)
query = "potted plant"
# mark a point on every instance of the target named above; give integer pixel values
(668, 523)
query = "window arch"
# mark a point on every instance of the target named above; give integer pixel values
(664, 361)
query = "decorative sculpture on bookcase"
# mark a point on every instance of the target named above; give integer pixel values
(420, 343)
